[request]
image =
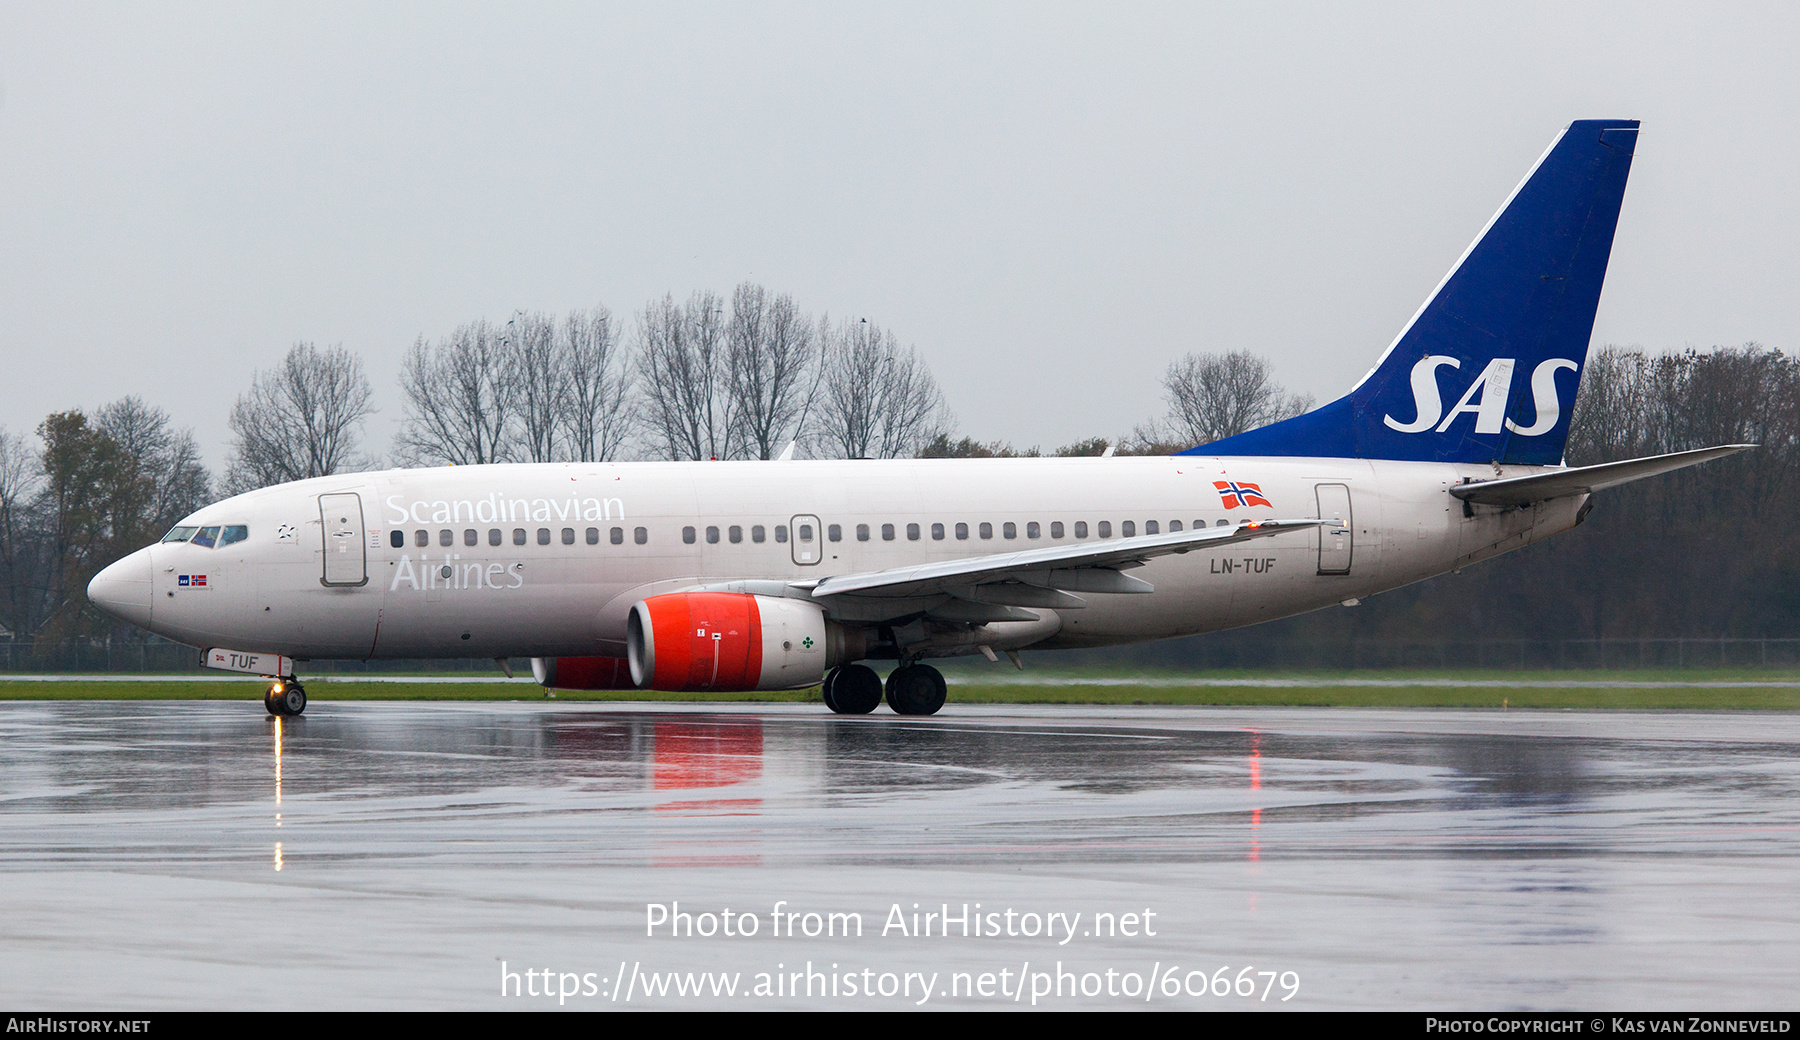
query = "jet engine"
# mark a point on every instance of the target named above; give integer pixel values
(733, 641)
(582, 673)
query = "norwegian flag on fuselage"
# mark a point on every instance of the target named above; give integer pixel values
(1236, 494)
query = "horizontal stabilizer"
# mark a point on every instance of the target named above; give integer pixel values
(1519, 491)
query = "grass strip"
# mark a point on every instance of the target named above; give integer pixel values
(1737, 698)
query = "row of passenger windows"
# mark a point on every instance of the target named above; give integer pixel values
(496, 536)
(758, 533)
(914, 532)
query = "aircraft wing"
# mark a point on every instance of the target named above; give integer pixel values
(1519, 491)
(989, 587)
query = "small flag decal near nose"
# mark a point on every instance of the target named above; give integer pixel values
(1235, 494)
(191, 581)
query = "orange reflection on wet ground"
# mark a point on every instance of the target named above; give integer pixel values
(707, 753)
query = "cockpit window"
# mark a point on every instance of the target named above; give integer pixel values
(179, 534)
(233, 533)
(206, 536)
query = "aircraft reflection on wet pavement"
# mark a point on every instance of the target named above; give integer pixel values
(1389, 858)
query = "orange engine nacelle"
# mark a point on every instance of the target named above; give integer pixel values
(732, 641)
(582, 673)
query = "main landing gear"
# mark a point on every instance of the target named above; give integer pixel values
(913, 689)
(853, 689)
(286, 697)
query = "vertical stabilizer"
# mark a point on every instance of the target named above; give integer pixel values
(1486, 371)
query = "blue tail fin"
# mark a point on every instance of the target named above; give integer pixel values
(1486, 371)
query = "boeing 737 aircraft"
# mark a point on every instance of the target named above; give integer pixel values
(788, 574)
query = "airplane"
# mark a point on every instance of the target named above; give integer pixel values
(787, 574)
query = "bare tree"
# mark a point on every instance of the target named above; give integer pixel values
(460, 397)
(875, 400)
(596, 418)
(19, 480)
(687, 404)
(538, 370)
(176, 482)
(1214, 396)
(302, 419)
(772, 360)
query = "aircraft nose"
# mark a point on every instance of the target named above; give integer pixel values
(123, 589)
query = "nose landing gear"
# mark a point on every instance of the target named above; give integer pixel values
(285, 698)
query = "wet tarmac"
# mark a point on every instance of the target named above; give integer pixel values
(164, 855)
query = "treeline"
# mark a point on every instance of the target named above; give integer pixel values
(1711, 551)
(1704, 552)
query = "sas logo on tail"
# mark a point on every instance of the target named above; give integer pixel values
(1485, 398)
(1236, 494)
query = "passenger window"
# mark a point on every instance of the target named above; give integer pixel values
(1128, 528)
(543, 536)
(617, 536)
(446, 537)
(1105, 528)
(1032, 530)
(1174, 525)
(736, 534)
(912, 532)
(640, 535)
(1223, 523)
(182, 534)
(1009, 529)
(712, 536)
(593, 536)
(756, 533)
(518, 536)
(397, 539)
(471, 537)
(568, 535)
(493, 536)
(937, 532)
(232, 534)
(862, 532)
(835, 532)
(887, 532)
(421, 538)
(986, 529)
(962, 532)
(1056, 529)
(1081, 528)
(781, 533)
(1150, 527)
(687, 536)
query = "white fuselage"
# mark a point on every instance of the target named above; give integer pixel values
(320, 575)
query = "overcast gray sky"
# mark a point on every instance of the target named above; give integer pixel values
(1050, 201)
